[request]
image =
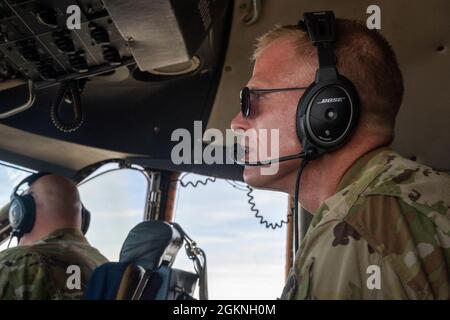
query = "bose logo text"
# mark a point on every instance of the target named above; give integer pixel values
(332, 100)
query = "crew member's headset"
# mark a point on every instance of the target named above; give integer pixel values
(328, 110)
(22, 210)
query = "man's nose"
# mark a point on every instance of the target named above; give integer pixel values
(239, 123)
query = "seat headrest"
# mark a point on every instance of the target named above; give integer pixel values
(150, 243)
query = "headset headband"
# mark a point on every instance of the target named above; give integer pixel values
(29, 180)
(321, 28)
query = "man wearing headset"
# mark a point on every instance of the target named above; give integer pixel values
(381, 226)
(53, 259)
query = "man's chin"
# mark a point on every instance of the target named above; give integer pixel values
(278, 181)
(253, 177)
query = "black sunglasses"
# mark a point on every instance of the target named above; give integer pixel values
(246, 92)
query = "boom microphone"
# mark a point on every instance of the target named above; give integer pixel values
(308, 153)
(267, 162)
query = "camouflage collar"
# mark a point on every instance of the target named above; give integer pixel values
(66, 234)
(355, 181)
(357, 168)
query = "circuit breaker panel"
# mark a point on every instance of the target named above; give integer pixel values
(41, 40)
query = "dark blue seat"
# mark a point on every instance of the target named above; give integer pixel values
(144, 269)
(105, 281)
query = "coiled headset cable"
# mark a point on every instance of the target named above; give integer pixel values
(68, 92)
(262, 220)
(194, 184)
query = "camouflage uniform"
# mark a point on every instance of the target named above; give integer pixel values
(388, 212)
(40, 271)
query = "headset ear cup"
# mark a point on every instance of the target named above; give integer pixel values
(85, 219)
(22, 214)
(327, 114)
(30, 213)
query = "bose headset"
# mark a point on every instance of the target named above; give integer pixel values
(22, 210)
(328, 110)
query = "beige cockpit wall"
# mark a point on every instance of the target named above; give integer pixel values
(419, 32)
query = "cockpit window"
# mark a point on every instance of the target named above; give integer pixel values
(116, 201)
(245, 260)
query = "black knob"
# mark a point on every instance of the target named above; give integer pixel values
(78, 62)
(28, 50)
(63, 42)
(99, 34)
(47, 71)
(111, 55)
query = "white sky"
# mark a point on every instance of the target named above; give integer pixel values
(245, 260)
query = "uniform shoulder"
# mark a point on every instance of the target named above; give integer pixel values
(14, 255)
(25, 273)
(46, 253)
(391, 212)
(416, 184)
(414, 241)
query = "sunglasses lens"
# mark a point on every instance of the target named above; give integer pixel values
(245, 102)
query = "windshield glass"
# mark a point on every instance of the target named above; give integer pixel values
(245, 260)
(116, 201)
